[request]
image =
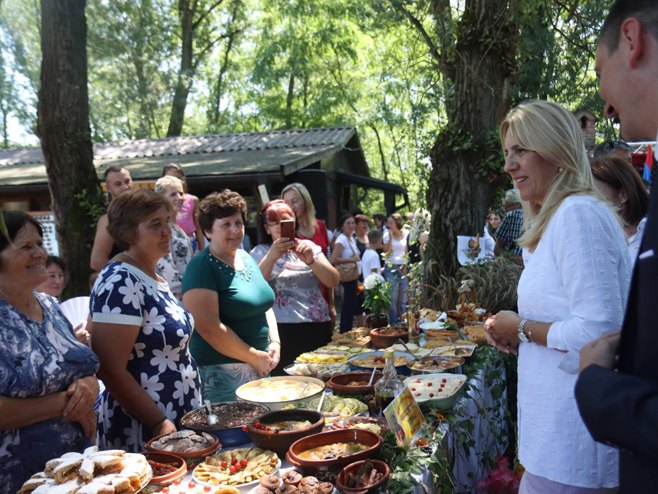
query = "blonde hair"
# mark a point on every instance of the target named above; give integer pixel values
(306, 197)
(553, 132)
(167, 181)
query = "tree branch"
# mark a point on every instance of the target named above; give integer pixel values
(208, 11)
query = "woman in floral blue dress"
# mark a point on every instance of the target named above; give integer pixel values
(47, 382)
(140, 330)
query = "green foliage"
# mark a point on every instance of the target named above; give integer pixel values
(377, 299)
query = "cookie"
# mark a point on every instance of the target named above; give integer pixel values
(325, 488)
(287, 489)
(309, 481)
(292, 477)
(262, 490)
(270, 481)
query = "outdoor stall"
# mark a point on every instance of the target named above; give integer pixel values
(323, 427)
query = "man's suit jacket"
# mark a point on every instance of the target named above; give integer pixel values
(621, 407)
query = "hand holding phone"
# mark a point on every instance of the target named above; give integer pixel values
(288, 229)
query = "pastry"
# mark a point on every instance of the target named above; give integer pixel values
(325, 488)
(292, 477)
(270, 482)
(287, 489)
(309, 481)
(262, 490)
(227, 490)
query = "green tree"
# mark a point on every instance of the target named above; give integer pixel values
(63, 127)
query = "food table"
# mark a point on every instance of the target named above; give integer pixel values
(473, 432)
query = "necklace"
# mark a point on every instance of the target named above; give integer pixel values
(229, 267)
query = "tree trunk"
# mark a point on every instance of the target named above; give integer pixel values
(466, 157)
(63, 127)
(186, 70)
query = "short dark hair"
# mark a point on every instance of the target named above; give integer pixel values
(361, 218)
(113, 169)
(220, 205)
(374, 235)
(128, 210)
(50, 260)
(620, 175)
(170, 167)
(343, 218)
(645, 11)
(14, 221)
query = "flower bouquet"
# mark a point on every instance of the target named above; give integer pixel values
(377, 296)
(501, 480)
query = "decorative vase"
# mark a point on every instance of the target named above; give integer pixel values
(374, 321)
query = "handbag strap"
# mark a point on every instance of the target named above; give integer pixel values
(349, 242)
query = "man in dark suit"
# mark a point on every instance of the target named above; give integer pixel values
(617, 390)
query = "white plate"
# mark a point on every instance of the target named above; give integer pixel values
(433, 325)
(421, 386)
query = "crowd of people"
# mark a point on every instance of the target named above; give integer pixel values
(180, 311)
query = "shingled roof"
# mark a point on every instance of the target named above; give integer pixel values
(283, 151)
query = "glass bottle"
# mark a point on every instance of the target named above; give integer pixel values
(389, 386)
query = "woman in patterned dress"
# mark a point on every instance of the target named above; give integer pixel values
(296, 270)
(236, 338)
(47, 382)
(172, 266)
(140, 330)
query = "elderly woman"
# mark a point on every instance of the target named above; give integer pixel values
(622, 186)
(172, 266)
(572, 290)
(47, 384)
(140, 330)
(347, 254)
(309, 227)
(236, 338)
(296, 270)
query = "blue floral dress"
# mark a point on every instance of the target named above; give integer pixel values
(38, 359)
(160, 360)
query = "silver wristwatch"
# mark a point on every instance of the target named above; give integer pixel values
(523, 336)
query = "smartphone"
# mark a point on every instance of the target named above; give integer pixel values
(288, 229)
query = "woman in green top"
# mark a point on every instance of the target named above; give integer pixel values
(236, 338)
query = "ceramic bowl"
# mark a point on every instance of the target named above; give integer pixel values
(340, 383)
(280, 392)
(280, 441)
(385, 337)
(176, 467)
(232, 415)
(353, 468)
(371, 441)
(190, 457)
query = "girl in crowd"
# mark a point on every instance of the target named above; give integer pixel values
(236, 338)
(297, 270)
(395, 268)
(345, 252)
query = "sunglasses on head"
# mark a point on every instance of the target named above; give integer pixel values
(612, 145)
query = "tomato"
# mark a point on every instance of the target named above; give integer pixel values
(207, 488)
(231, 469)
(191, 485)
(224, 464)
(245, 428)
(234, 461)
(244, 462)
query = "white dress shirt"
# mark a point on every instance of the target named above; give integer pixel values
(577, 278)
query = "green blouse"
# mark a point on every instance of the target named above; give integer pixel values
(244, 297)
